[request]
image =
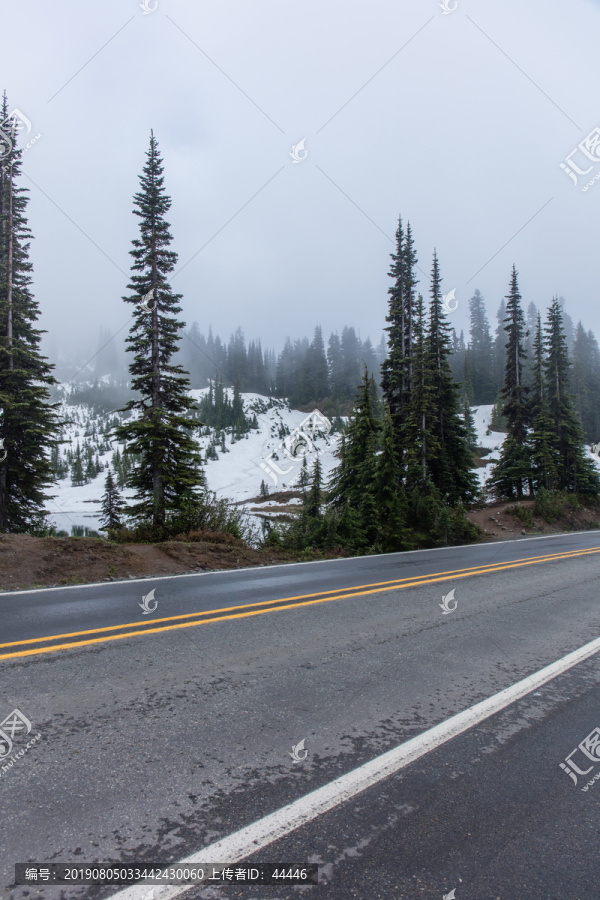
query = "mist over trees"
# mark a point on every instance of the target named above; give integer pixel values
(407, 457)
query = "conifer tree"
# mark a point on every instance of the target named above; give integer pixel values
(28, 421)
(542, 439)
(390, 496)
(112, 504)
(168, 474)
(450, 466)
(353, 483)
(480, 353)
(417, 436)
(512, 472)
(585, 382)
(397, 368)
(576, 473)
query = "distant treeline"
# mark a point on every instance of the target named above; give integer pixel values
(478, 366)
(308, 373)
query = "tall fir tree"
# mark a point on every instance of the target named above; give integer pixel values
(28, 421)
(480, 353)
(353, 483)
(585, 381)
(112, 505)
(390, 495)
(542, 439)
(451, 466)
(511, 474)
(576, 472)
(418, 440)
(397, 368)
(169, 473)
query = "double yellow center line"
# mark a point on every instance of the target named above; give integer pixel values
(54, 642)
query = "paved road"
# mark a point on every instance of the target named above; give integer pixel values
(158, 744)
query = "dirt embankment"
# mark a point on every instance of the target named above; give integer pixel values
(508, 520)
(27, 562)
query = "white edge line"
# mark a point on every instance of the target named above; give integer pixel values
(310, 562)
(270, 828)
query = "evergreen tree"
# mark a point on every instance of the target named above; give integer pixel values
(314, 497)
(390, 495)
(168, 474)
(417, 436)
(545, 458)
(480, 351)
(397, 368)
(513, 470)
(353, 483)
(576, 472)
(304, 477)
(470, 430)
(112, 505)
(499, 348)
(450, 467)
(585, 381)
(28, 421)
(77, 476)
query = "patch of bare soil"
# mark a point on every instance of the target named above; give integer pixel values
(509, 520)
(27, 561)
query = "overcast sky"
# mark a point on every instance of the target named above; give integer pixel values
(457, 121)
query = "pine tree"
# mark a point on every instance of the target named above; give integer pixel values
(77, 475)
(168, 473)
(397, 368)
(542, 443)
(28, 421)
(470, 429)
(480, 353)
(112, 505)
(450, 467)
(585, 381)
(417, 436)
(513, 471)
(576, 473)
(390, 496)
(353, 483)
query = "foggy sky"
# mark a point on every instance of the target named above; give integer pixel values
(456, 121)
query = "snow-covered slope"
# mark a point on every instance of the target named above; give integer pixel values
(237, 474)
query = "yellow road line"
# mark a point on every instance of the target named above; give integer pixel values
(322, 597)
(358, 589)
